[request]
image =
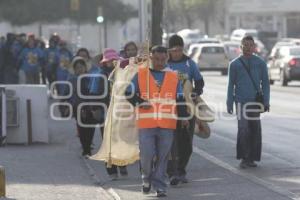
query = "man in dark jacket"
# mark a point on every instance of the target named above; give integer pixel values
(182, 148)
(9, 61)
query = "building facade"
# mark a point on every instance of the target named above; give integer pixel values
(277, 16)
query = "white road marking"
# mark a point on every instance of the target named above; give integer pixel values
(246, 175)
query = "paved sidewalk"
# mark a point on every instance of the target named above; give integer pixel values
(52, 171)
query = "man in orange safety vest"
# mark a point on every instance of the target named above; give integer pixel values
(157, 93)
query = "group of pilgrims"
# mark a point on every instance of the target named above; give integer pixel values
(145, 101)
(157, 132)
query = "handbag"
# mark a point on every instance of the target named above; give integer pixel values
(98, 115)
(259, 98)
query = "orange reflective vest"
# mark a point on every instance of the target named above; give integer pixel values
(163, 113)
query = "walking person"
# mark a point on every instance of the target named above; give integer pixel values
(83, 116)
(40, 44)
(85, 54)
(51, 59)
(249, 89)
(10, 66)
(182, 147)
(30, 61)
(130, 50)
(97, 87)
(64, 60)
(156, 117)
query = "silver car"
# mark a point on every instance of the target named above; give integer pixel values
(284, 65)
(210, 57)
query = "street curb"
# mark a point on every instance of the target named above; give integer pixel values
(109, 193)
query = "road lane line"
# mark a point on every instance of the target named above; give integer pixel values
(110, 193)
(246, 175)
(264, 153)
(114, 194)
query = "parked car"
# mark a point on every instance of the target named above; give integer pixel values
(260, 49)
(166, 37)
(295, 41)
(232, 49)
(238, 34)
(190, 36)
(208, 40)
(210, 57)
(284, 64)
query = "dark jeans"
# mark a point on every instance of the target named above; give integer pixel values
(51, 77)
(43, 73)
(86, 134)
(1, 75)
(114, 168)
(32, 77)
(182, 149)
(249, 139)
(10, 75)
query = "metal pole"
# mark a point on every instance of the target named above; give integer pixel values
(29, 121)
(2, 182)
(140, 21)
(3, 116)
(100, 38)
(143, 19)
(105, 32)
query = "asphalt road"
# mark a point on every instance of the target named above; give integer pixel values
(213, 170)
(280, 165)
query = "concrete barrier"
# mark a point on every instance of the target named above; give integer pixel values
(37, 94)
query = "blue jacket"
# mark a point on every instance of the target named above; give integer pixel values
(51, 58)
(100, 86)
(240, 86)
(188, 69)
(75, 99)
(64, 61)
(16, 49)
(31, 59)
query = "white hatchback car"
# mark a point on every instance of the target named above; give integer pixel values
(238, 34)
(210, 57)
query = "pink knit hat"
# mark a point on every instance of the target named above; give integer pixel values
(109, 55)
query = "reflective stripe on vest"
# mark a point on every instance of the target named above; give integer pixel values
(163, 113)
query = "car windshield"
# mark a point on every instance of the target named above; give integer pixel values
(295, 52)
(194, 35)
(212, 50)
(208, 41)
(253, 34)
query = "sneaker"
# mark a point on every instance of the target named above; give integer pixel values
(123, 171)
(243, 164)
(146, 188)
(2, 140)
(183, 179)
(85, 155)
(251, 164)
(113, 177)
(174, 181)
(161, 193)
